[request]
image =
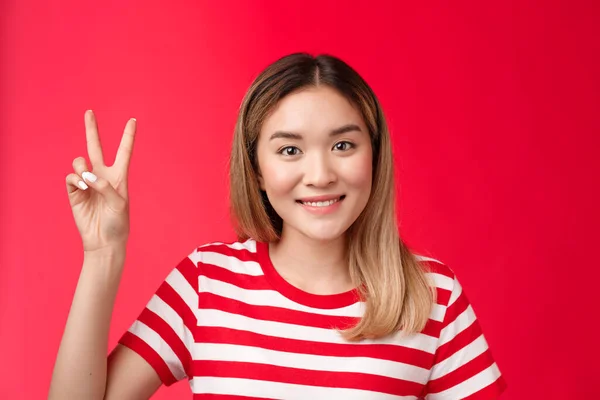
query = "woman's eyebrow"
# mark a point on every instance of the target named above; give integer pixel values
(338, 131)
(344, 129)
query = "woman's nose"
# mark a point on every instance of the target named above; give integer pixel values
(318, 171)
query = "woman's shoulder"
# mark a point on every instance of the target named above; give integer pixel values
(233, 251)
(249, 245)
(439, 273)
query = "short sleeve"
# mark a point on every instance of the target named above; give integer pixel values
(463, 365)
(163, 332)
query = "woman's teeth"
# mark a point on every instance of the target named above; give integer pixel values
(320, 203)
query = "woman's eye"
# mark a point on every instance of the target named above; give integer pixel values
(343, 146)
(289, 151)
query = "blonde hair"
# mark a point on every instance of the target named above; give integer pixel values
(390, 280)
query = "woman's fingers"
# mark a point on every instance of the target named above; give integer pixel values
(94, 147)
(126, 147)
(74, 183)
(80, 165)
(112, 198)
(75, 180)
(97, 183)
(83, 179)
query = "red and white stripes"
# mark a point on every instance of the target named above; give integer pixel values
(228, 322)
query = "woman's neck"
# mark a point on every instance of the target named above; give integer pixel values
(315, 266)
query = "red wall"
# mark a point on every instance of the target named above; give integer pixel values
(494, 117)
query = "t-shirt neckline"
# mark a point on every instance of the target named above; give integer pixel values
(323, 301)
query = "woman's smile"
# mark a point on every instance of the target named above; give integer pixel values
(321, 205)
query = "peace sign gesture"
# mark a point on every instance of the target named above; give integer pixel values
(99, 198)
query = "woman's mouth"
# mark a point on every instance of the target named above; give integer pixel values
(321, 206)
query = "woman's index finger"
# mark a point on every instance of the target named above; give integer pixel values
(94, 147)
(126, 146)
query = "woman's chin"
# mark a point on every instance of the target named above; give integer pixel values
(321, 231)
(324, 234)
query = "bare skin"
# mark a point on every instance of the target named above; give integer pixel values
(101, 213)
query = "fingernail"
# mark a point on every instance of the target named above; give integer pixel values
(82, 185)
(134, 120)
(88, 176)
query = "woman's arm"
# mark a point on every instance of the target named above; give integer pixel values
(82, 370)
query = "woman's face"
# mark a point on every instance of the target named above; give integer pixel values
(315, 160)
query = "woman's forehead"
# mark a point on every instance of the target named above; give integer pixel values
(318, 111)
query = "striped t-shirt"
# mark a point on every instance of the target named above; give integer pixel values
(229, 323)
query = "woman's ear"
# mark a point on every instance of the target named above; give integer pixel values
(261, 181)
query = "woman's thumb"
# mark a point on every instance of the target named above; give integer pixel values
(102, 186)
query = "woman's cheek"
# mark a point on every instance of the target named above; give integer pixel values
(359, 172)
(279, 177)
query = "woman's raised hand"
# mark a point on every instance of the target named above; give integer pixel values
(98, 197)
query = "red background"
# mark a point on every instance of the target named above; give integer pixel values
(494, 116)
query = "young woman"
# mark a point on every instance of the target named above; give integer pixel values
(319, 298)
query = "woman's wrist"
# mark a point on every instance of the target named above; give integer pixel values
(110, 260)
